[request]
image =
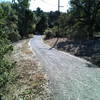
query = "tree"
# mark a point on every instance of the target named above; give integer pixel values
(86, 11)
(41, 25)
(53, 18)
(39, 12)
(10, 22)
(25, 17)
(29, 21)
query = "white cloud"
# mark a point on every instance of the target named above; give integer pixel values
(49, 5)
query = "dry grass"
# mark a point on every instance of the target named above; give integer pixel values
(27, 51)
(52, 41)
(31, 81)
(25, 48)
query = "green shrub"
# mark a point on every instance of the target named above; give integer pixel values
(54, 32)
(79, 31)
(5, 65)
(14, 36)
(49, 33)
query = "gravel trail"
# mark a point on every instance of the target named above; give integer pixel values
(71, 78)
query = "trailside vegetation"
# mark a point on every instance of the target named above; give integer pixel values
(5, 48)
(16, 22)
(81, 22)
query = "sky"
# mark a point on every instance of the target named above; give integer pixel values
(48, 5)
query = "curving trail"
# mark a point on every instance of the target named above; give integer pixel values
(71, 78)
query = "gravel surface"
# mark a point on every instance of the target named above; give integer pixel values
(71, 78)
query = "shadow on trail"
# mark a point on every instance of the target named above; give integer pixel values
(91, 65)
(54, 44)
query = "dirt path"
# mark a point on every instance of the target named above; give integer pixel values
(71, 78)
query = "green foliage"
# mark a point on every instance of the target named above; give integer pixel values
(78, 31)
(23, 3)
(25, 23)
(39, 12)
(80, 22)
(52, 18)
(48, 33)
(52, 32)
(9, 22)
(42, 24)
(86, 11)
(45, 20)
(5, 48)
(25, 17)
(5, 65)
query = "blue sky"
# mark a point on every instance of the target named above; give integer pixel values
(48, 5)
